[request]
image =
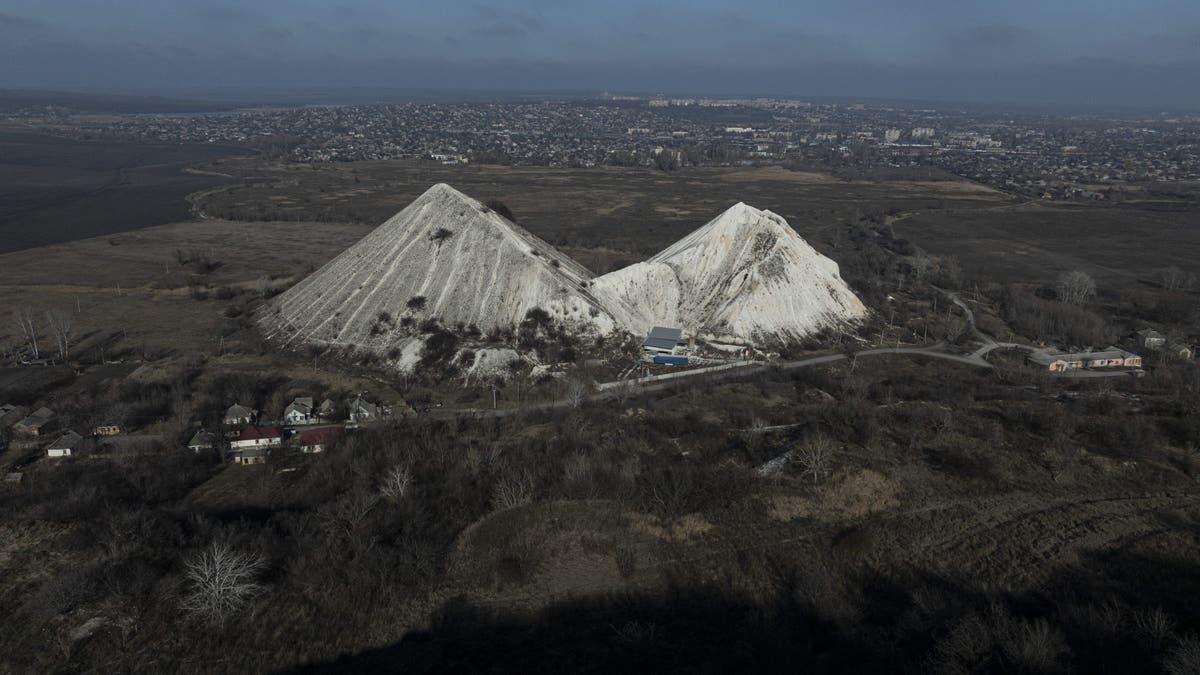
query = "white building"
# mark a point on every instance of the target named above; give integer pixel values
(65, 446)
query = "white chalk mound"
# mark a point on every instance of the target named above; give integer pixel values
(470, 265)
(745, 275)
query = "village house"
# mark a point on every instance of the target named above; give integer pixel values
(256, 437)
(107, 430)
(65, 446)
(316, 440)
(250, 456)
(299, 411)
(1061, 362)
(202, 440)
(361, 410)
(328, 411)
(1150, 339)
(239, 415)
(662, 340)
(36, 423)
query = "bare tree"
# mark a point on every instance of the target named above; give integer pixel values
(223, 581)
(60, 327)
(756, 433)
(577, 391)
(1076, 287)
(1174, 279)
(815, 457)
(512, 489)
(262, 286)
(396, 483)
(24, 318)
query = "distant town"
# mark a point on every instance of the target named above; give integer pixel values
(1061, 157)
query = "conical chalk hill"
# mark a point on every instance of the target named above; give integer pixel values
(745, 275)
(445, 256)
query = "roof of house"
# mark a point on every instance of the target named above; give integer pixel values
(303, 405)
(37, 418)
(238, 410)
(202, 438)
(1051, 356)
(319, 436)
(253, 433)
(663, 338)
(362, 406)
(67, 441)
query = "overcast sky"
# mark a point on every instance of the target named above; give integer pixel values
(1135, 52)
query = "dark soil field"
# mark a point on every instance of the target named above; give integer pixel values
(604, 217)
(55, 189)
(1039, 241)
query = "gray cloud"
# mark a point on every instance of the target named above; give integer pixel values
(21, 23)
(991, 40)
(499, 22)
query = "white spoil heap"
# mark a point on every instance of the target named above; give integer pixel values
(745, 276)
(471, 265)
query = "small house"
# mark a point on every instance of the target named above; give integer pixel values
(202, 440)
(65, 446)
(300, 411)
(316, 440)
(361, 410)
(662, 340)
(1061, 362)
(239, 415)
(250, 456)
(107, 430)
(37, 423)
(257, 437)
(328, 411)
(1150, 339)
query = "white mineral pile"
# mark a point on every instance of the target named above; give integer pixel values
(745, 275)
(470, 265)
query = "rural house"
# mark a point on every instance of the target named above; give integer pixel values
(65, 446)
(316, 440)
(662, 340)
(328, 410)
(256, 437)
(250, 456)
(107, 430)
(360, 410)
(299, 411)
(36, 423)
(1150, 339)
(202, 440)
(1061, 362)
(239, 415)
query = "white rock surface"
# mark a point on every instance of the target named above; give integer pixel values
(745, 275)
